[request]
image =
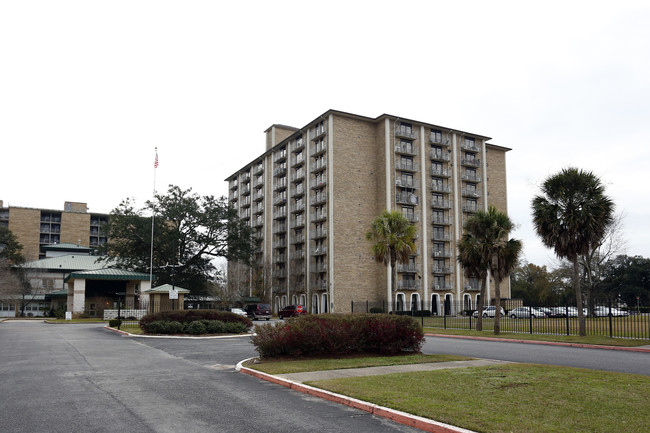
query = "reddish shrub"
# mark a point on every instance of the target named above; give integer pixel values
(338, 334)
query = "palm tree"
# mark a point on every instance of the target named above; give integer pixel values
(572, 215)
(485, 247)
(393, 236)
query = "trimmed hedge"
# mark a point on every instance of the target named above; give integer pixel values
(338, 334)
(195, 322)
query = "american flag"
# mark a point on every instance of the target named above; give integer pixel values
(155, 163)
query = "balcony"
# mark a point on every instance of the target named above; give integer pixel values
(410, 268)
(443, 286)
(298, 255)
(319, 251)
(318, 285)
(404, 165)
(234, 198)
(469, 192)
(406, 133)
(318, 198)
(318, 148)
(440, 187)
(245, 177)
(318, 268)
(298, 207)
(297, 160)
(280, 171)
(471, 177)
(258, 169)
(319, 165)
(444, 270)
(279, 228)
(436, 252)
(439, 156)
(234, 185)
(318, 233)
(440, 172)
(280, 199)
(408, 285)
(437, 236)
(406, 149)
(245, 202)
(298, 239)
(297, 145)
(442, 220)
(280, 273)
(258, 195)
(280, 156)
(471, 162)
(258, 222)
(258, 182)
(318, 216)
(298, 191)
(406, 198)
(278, 214)
(437, 139)
(470, 208)
(297, 222)
(470, 145)
(298, 175)
(441, 204)
(279, 258)
(319, 130)
(406, 183)
(258, 209)
(469, 287)
(280, 184)
(318, 183)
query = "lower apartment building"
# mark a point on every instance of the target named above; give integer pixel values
(37, 229)
(312, 195)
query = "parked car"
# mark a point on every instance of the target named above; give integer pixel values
(572, 312)
(549, 312)
(238, 311)
(526, 312)
(606, 311)
(292, 311)
(559, 311)
(258, 311)
(489, 311)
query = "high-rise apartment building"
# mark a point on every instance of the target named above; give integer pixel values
(38, 228)
(312, 195)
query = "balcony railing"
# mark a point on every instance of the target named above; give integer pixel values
(404, 166)
(280, 171)
(279, 228)
(298, 207)
(470, 145)
(406, 133)
(318, 233)
(297, 160)
(318, 285)
(320, 164)
(471, 287)
(279, 200)
(297, 222)
(443, 286)
(300, 190)
(259, 195)
(318, 216)
(408, 285)
(319, 251)
(470, 208)
(318, 198)
(280, 214)
(440, 187)
(406, 183)
(318, 267)
(471, 177)
(297, 255)
(439, 156)
(408, 267)
(406, 198)
(297, 175)
(298, 239)
(297, 145)
(441, 172)
(318, 148)
(467, 192)
(318, 183)
(280, 156)
(440, 253)
(258, 169)
(406, 149)
(438, 140)
(441, 204)
(441, 220)
(442, 269)
(471, 162)
(445, 237)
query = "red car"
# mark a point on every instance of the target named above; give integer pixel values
(292, 311)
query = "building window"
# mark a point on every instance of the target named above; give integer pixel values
(436, 136)
(405, 129)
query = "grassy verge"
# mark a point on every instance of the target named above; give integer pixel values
(283, 366)
(512, 398)
(606, 341)
(76, 321)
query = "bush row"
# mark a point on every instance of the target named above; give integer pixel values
(197, 327)
(338, 334)
(185, 317)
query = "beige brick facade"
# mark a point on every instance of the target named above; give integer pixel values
(35, 228)
(324, 183)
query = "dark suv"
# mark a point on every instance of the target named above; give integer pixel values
(258, 311)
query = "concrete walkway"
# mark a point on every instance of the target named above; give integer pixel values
(376, 371)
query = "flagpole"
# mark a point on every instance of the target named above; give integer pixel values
(153, 213)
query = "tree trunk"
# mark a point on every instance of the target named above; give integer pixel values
(497, 307)
(393, 272)
(582, 331)
(481, 303)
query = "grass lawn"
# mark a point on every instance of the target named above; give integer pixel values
(621, 342)
(284, 366)
(512, 398)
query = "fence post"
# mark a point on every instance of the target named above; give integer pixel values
(610, 318)
(351, 306)
(566, 310)
(530, 318)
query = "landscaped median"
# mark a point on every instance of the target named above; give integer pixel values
(503, 398)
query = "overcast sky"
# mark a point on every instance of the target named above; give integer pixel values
(88, 89)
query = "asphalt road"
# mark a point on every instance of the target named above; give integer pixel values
(83, 378)
(595, 359)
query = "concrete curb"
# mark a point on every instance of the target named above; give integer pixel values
(404, 418)
(546, 343)
(185, 337)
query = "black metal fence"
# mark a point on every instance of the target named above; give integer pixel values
(602, 318)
